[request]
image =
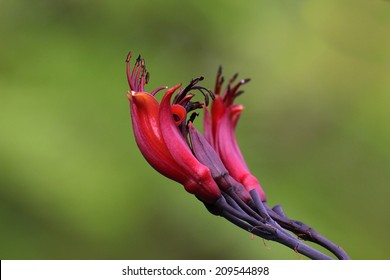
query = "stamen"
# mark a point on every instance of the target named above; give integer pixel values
(232, 93)
(137, 77)
(136, 64)
(130, 76)
(184, 96)
(185, 100)
(218, 81)
(191, 85)
(238, 93)
(233, 78)
(244, 81)
(206, 95)
(138, 59)
(192, 117)
(147, 77)
(194, 105)
(157, 90)
(143, 75)
(237, 86)
(128, 57)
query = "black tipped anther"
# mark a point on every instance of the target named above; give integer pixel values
(138, 60)
(147, 77)
(234, 77)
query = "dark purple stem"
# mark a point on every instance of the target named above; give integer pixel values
(305, 232)
(268, 231)
(242, 204)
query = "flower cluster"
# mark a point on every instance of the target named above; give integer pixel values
(210, 165)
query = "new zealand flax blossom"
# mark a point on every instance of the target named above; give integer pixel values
(211, 165)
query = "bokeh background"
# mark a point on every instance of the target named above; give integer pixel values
(315, 130)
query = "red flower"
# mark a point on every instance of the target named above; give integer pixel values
(157, 135)
(211, 166)
(219, 131)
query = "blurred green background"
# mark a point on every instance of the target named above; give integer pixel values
(315, 130)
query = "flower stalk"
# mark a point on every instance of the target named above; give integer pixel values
(211, 165)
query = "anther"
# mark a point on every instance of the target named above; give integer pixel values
(233, 78)
(138, 60)
(147, 77)
(244, 81)
(219, 73)
(128, 57)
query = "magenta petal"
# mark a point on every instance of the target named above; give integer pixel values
(231, 155)
(229, 123)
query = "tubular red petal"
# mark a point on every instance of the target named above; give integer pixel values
(200, 181)
(174, 140)
(230, 123)
(231, 155)
(217, 111)
(145, 119)
(235, 114)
